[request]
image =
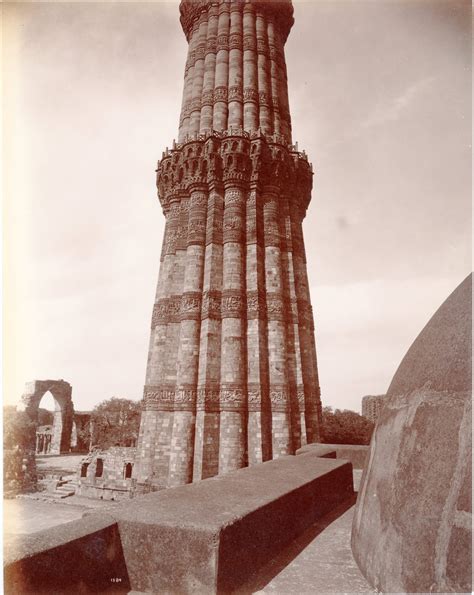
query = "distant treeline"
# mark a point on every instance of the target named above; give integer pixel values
(345, 427)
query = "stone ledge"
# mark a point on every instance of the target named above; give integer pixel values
(206, 537)
(212, 535)
(355, 453)
(80, 556)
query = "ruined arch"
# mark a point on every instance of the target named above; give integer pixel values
(63, 414)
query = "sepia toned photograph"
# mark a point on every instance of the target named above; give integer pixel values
(237, 289)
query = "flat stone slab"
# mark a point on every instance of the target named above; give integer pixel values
(357, 454)
(82, 556)
(210, 536)
(320, 561)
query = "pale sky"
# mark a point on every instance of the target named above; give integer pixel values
(380, 100)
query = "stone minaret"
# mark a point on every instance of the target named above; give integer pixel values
(232, 377)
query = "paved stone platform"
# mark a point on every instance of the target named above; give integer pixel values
(59, 463)
(319, 561)
(25, 516)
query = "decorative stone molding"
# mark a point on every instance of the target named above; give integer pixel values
(279, 397)
(256, 305)
(235, 41)
(212, 161)
(211, 305)
(190, 308)
(232, 397)
(220, 94)
(232, 305)
(158, 398)
(185, 398)
(276, 309)
(208, 399)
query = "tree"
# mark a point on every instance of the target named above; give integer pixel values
(345, 427)
(19, 430)
(115, 422)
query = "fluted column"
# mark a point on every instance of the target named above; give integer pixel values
(198, 78)
(233, 439)
(182, 440)
(250, 78)
(222, 69)
(207, 98)
(235, 100)
(277, 353)
(263, 76)
(188, 87)
(259, 410)
(295, 379)
(206, 450)
(306, 330)
(274, 77)
(283, 86)
(281, 115)
(157, 412)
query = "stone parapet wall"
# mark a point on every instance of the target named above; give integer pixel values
(208, 537)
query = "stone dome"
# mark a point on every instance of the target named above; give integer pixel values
(412, 525)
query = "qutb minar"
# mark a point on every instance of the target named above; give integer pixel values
(232, 377)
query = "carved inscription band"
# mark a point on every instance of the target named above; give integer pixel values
(226, 397)
(231, 304)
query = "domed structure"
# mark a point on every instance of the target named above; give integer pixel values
(412, 525)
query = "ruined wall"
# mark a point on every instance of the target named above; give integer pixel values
(412, 528)
(110, 479)
(63, 414)
(372, 405)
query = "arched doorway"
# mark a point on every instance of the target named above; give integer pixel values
(63, 410)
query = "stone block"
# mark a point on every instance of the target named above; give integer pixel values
(82, 556)
(355, 453)
(211, 536)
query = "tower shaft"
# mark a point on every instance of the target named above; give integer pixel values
(232, 376)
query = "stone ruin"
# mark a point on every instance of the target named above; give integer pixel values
(107, 474)
(412, 528)
(60, 441)
(372, 406)
(63, 435)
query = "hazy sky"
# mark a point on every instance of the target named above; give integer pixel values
(380, 100)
